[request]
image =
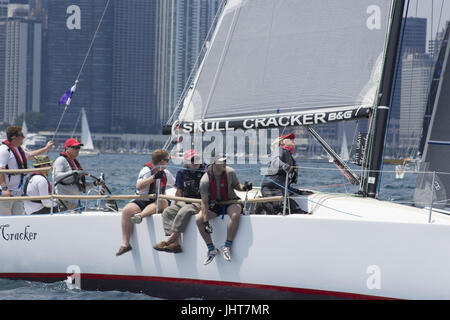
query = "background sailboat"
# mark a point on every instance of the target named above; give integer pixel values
(86, 138)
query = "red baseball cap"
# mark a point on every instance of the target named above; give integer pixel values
(288, 136)
(72, 143)
(188, 155)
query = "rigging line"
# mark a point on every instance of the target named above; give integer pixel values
(93, 39)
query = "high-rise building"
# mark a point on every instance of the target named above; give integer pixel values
(4, 8)
(412, 41)
(183, 26)
(416, 75)
(133, 85)
(20, 66)
(70, 30)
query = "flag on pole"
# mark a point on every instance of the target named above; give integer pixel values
(67, 97)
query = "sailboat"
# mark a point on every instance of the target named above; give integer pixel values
(270, 64)
(86, 139)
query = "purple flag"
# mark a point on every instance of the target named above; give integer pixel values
(67, 97)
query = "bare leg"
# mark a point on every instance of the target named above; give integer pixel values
(234, 211)
(127, 226)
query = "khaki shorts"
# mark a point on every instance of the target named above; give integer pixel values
(177, 216)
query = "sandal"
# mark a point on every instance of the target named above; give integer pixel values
(123, 250)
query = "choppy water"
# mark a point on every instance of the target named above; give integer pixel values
(121, 172)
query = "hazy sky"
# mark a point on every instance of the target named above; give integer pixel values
(430, 9)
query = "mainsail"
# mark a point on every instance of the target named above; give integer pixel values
(289, 63)
(436, 154)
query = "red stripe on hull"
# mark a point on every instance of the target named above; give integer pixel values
(180, 281)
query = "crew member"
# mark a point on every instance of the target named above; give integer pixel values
(176, 217)
(12, 156)
(218, 184)
(282, 164)
(147, 183)
(69, 175)
(37, 184)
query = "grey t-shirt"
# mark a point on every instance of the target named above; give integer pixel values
(233, 183)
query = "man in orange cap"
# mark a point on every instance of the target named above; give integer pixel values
(177, 216)
(282, 164)
(69, 175)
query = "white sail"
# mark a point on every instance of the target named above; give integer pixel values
(344, 149)
(86, 138)
(289, 57)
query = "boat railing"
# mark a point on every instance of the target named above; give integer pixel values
(432, 196)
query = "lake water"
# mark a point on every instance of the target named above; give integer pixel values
(121, 172)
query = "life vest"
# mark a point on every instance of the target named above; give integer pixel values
(191, 180)
(213, 186)
(20, 159)
(74, 165)
(27, 181)
(152, 188)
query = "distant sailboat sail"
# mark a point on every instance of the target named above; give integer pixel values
(436, 153)
(299, 69)
(86, 138)
(344, 149)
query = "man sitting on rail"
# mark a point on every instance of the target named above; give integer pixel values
(147, 183)
(177, 216)
(218, 184)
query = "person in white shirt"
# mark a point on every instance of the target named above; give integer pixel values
(147, 183)
(12, 156)
(37, 184)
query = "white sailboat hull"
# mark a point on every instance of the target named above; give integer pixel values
(364, 251)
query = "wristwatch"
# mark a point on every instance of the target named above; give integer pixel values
(4, 188)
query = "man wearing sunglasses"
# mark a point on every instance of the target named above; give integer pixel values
(147, 183)
(12, 156)
(69, 176)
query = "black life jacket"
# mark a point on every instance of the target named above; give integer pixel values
(20, 159)
(213, 186)
(27, 181)
(191, 180)
(75, 165)
(152, 188)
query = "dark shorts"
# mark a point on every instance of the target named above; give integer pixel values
(219, 209)
(143, 203)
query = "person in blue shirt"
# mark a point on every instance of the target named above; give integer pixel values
(176, 217)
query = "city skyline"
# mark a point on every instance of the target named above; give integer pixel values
(143, 56)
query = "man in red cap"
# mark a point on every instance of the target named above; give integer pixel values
(177, 216)
(69, 176)
(282, 164)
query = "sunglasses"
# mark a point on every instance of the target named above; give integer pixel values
(77, 147)
(20, 135)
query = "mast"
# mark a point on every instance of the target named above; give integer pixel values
(381, 113)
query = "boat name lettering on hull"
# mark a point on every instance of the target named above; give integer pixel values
(9, 235)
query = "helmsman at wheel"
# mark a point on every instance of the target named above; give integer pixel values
(69, 175)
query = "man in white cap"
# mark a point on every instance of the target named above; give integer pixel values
(37, 184)
(218, 184)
